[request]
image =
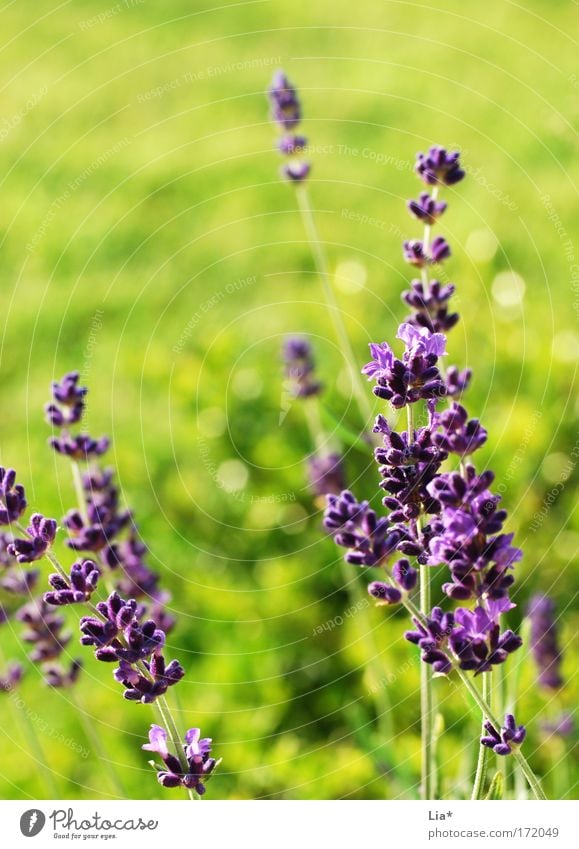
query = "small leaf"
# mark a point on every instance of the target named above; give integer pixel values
(496, 789)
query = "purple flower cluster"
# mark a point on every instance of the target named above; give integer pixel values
(97, 526)
(416, 375)
(118, 635)
(544, 642)
(287, 114)
(325, 469)
(354, 525)
(43, 631)
(300, 368)
(192, 770)
(509, 737)
(448, 518)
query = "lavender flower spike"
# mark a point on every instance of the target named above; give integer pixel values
(544, 642)
(41, 532)
(12, 497)
(68, 402)
(285, 105)
(510, 736)
(437, 166)
(287, 114)
(300, 367)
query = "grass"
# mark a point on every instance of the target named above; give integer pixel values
(147, 240)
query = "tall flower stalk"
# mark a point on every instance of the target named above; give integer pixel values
(286, 112)
(448, 519)
(128, 624)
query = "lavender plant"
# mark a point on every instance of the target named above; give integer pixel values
(286, 112)
(442, 512)
(443, 518)
(126, 625)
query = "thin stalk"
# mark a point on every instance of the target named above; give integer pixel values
(532, 779)
(483, 752)
(358, 386)
(483, 705)
(380, 694)
(169, 722)
(500, 694)
(79, 490)
(98, 746)
(426, 700)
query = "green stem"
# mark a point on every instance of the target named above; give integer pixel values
(426, 700)
(97, 744)
(482, 704)
(358, 386)
(517, 754)
(481, 768)
(79, 489)
(169, 723)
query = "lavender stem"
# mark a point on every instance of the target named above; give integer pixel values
(426, 702)
(481, 768)
(483, 704)
(321, 263)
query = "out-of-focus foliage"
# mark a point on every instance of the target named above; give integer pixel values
(147, 241)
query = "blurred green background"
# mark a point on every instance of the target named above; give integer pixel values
(148, 241)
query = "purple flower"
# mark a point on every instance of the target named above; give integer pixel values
(77, 589)
(458, 434)
(68, 402)
(12, 497)
(404, 575)
(562, 726)
(285, 106)
(438, 166)
(457, 381)
(508, 738)
(79, 447)
(117, 614)
(326, 473)
(355, 526)
(430, 304)
(41, 532)
(415, 253)
(426, 208)
(403, 449)
(141, 641)
(146, 688)
(197, 754)
(288, 145)
(432, 638)
(300, 368)
(544, 641)
(421, 341)
(384, 593)
(439, 250)
(413, 378)
(21, 582)
(477, 641)
(59, 678)
(295, 171)
(44, 631)
(11, 677)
